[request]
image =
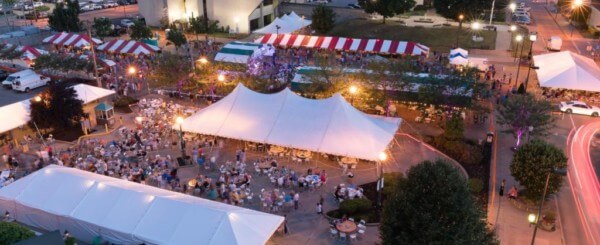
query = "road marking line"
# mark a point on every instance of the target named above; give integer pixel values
(572, 122)
(562, 231)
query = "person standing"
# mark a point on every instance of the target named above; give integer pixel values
(502, 185)
(319, 208)
(296, 200)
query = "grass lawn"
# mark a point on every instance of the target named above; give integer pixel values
(440, 39)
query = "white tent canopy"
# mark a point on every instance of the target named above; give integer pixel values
(123, 212)
(287, 24)
(459, 56)
(19, 111)
(567, 70)
(329, 125)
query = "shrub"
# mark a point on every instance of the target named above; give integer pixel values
(549, 217)
(468, 154)
(11, 233)
(354, 206)
(475, 185)
(42, 9)
(124, 101)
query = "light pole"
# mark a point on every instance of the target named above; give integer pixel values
(562, 172)
(382, 158)
(492, 11)
(574, 7)
(460, 20)
(353, 90)
(518, 39)
(205, 13)
(512, 7)
(532, 38)
(179, 121)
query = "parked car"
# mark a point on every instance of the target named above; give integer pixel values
(110, 5)
(37, 4)
(86, 8)
(95, 6)
(123, 2)
(579, 107)
(354, 6)
(126, 23)
(27, 80)
(132, 1)
(522, 20)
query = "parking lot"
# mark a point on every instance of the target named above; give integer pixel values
(8, 96)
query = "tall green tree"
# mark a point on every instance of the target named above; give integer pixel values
(177, 37)
(65, 17)
(386, 8)
(531, 164)
(525, 115)
(58, 109)
(196, 25)
(139, 31)
(103, 27)
(433, 206)
(168, 71)
(323, 19)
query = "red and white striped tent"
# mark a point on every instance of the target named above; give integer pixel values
(31, 53)
(128, 47)
(345, 44)
(71, 39)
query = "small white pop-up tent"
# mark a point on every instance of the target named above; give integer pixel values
(459, 56)
(124, 212)
(567, 70)
(329, 125)
(238, 52)
(287, 24)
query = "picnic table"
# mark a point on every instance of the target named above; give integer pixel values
(346, 226)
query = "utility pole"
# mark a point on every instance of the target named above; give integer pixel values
(89, 29)
(492, 12)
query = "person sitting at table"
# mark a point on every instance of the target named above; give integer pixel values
(309, 171)
(274, 164)
(338, 192)
(344, 218)
(302, 181)
(287, 198)
(323, 177)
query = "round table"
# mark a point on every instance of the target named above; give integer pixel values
(349, 160)
(346, 227)
(276, 149)
(303, 154)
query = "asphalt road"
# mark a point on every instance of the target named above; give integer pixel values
(8, 96)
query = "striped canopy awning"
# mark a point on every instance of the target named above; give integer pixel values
(345, 44)
(29, 53)
(128, 47)
(237, 52)
(71, 39)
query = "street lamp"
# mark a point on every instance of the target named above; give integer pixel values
(37, 98)
(475, 25)
(557, 171)
(518, 39)
(131, 70)
(512, 7)
(532, 218)
(353, 90)
(532, 38)
(460, 20)
(221, 78)
(576, 4)
(179, 120)
(203, 61)
(382, 157)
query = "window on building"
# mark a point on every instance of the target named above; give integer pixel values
(254, 24)
(268, 19)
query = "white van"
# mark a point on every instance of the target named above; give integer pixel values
(554, 43)
(15, 76)
(28, 82)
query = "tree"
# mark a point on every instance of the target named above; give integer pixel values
(65, 17)
(531, 164)
(523, 114)
(11, 233)
(386, 8)
(176, 37)
(103, 27)
(139, 31)
(196, 25)
(433, 206)
(168, 71)
(323, 19)
(59, 108)
(454, 128)
(63, 63)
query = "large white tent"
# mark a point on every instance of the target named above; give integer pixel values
(329, 125)
(567, 70)
(19, 111)
(459, 56)
(123, 212)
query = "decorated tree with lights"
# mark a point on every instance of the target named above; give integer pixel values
(524, 115)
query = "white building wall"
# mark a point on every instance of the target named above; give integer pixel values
(232, 13)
